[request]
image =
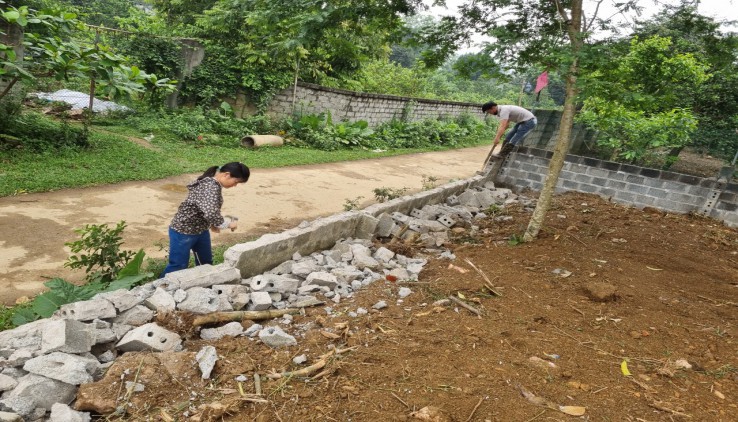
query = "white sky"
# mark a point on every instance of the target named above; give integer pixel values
(720, 10)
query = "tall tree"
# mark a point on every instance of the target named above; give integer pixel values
(553, 35)
(715, 101)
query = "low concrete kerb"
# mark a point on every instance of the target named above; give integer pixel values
(270, 250)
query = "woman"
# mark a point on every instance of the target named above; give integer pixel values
(199, 213)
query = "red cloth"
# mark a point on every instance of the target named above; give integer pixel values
(542, 81)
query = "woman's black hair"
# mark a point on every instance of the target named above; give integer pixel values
(235, 169)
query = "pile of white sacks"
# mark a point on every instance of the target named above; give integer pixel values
(45, 361)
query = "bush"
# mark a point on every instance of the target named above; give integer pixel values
(39, 133)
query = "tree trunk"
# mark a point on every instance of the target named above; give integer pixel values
(557, 161)
(574, 30)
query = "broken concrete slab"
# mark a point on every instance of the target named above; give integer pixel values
(149, 337)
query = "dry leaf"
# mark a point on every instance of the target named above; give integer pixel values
(720, 395)
(459, 269)
(436, 310)
(624, 368)
(326, 334)
(573, 410)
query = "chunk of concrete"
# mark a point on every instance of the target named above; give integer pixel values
(11, 417)
(200, 301)
(385, 225)
(7, 382)
(161, 301)
(71, 369)
(383, 255)
(206, 358)
(232, 329)
(149, 337)
(274, 337)
(135, 316)
(123, 299)
(205, 276)
(321, 278)
(87, 310)
(63, 413)
(45, 392)
(68, 336)
(260, 301)
(22, 407)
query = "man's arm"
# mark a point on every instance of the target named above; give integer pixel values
(500, 131)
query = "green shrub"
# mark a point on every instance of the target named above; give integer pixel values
(39, 133)
(99, 252)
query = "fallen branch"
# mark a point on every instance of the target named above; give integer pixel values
(304, 372)
(475, 409)
(487, 282)
(464, 305)
(572, 307)
(309, 370)
(400, 400)
(216, 317)
(658, 406)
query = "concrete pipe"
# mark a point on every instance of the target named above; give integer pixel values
(256, 141)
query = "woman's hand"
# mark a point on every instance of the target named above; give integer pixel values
(215, 229)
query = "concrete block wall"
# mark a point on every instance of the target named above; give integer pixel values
(626, 184)
(353, 106)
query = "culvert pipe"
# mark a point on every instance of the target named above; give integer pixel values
(256, 141)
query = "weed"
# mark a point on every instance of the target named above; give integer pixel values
(387, 194)
(493, 209)
(723, 371)
(99, 252)
(429, 182)
(515, 240)
(352, 204)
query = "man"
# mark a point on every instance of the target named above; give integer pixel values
(524, 121)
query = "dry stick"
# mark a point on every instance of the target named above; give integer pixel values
(484, 276)
(242, 315)
(400, 400)
(308, 370)
(475, 409)
(572, 307)
(522, 291)
(300, 372)
(717, 302)
(577, 239)
(659, 406)
(464, 305)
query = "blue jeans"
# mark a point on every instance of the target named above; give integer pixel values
(180, 246)
(517, 135)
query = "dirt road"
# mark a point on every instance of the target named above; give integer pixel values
(34, 227)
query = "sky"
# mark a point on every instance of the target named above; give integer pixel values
(717, 9)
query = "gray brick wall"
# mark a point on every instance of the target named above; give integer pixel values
(626, 184)
(352, 106)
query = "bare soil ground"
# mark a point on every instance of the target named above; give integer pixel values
(660, 345)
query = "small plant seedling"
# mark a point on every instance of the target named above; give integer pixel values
(515, 240)
(387, 194)
(352, 204)
(428, 182)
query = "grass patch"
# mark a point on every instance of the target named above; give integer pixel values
(113, 159)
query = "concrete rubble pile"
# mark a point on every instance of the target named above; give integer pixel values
(44, 362)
